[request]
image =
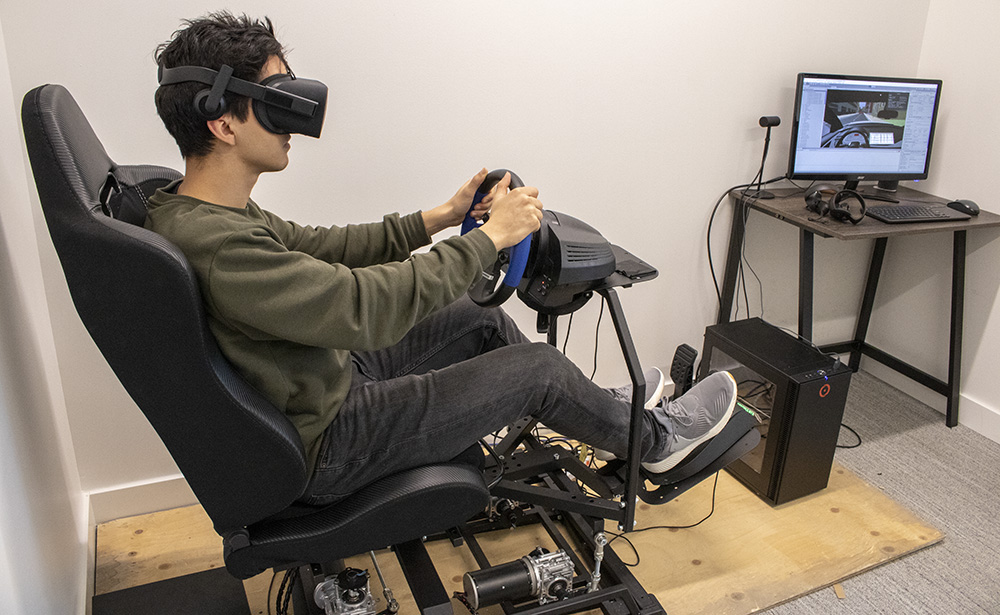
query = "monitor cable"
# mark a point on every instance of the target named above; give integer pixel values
(766, 121)
(740, 215)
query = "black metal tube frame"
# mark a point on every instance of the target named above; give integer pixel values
(620, 592)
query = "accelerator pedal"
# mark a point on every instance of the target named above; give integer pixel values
(736, 439)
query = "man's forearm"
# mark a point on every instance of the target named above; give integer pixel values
(438, 219)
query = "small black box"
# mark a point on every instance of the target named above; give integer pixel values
(798, 394)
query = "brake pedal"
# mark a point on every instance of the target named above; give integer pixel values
(682, 369)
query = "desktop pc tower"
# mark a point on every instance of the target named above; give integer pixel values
(797, 394)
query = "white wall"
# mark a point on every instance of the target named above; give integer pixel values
(43, 517)
(117, 446)
(959, 45)
(632, 116)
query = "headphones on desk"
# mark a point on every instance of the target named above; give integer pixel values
(837, 206)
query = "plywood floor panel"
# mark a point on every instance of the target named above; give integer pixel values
(747, 557)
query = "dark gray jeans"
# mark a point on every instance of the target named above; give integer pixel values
(459, 375)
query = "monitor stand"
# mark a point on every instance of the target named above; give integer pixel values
(883, 190)
(887, 185)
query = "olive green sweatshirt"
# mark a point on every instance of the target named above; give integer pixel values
(287, 303)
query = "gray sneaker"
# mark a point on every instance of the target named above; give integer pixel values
(654, 390)
(697, 416)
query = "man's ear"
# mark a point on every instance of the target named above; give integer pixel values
(222, 128)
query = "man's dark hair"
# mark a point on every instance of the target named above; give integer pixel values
(213, 40)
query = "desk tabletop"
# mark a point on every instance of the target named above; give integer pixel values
(789, 205)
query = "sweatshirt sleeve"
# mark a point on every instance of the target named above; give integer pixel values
(354, 245)
(268, 291)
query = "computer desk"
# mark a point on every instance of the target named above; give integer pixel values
(789, 206)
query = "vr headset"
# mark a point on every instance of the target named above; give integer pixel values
(282, 103)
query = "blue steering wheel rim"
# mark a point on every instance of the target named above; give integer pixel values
(518, 253)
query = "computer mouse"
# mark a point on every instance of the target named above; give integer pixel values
(965, 206)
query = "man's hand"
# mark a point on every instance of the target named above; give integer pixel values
(514, 215)
(452, 212)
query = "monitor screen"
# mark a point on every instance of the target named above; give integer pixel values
(862, 128)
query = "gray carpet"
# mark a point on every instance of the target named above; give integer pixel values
(948, 477)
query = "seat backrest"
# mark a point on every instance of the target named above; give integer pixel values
(139, 300)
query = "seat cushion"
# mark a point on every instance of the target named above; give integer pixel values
(395, 509)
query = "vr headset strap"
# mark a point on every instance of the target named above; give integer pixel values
(218, 88)
(223, 81)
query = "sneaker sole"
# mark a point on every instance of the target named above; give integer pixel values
(676, 457)
(603, 455)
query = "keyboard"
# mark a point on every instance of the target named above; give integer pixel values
(893, 214)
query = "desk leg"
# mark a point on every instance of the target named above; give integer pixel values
(957, 319)
(806, 284)
(733, 258)
(867, 303)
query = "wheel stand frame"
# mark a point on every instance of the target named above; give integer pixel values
(539, 476)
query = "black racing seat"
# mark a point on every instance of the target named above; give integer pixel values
(139, 299)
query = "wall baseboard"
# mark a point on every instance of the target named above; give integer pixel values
(972, 414)
(979, 418)
(161, 493)
(91, 568)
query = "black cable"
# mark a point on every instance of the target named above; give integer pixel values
(500, 464)
(274, 575)
(743, 259)
(625, 538)
(745, 195)
(282, 599)
(597, 336)
(801, 189)
(711, 220)
(745, 211)
(708, 239)
(745, 215)
(761, 387)
(569, 327)
(715, 486)
(741, 283)
(856, 435)
(464, 599)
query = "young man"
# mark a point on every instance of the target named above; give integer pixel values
(375, 354)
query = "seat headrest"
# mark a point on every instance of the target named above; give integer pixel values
(125, 194)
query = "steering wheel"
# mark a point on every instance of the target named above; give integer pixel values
(855, 137)
(510, 263)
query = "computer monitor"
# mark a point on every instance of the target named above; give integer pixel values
(852, 129)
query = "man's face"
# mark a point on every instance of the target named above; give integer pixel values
(261, 150)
